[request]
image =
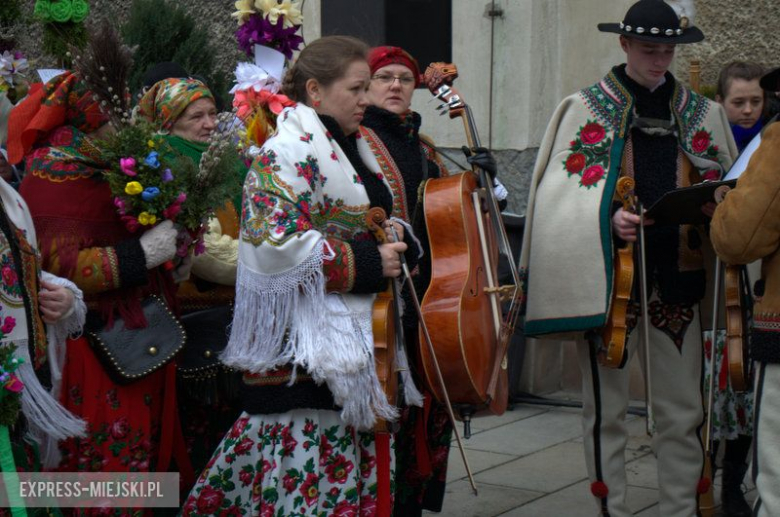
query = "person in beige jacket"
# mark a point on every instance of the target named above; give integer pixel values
(745, 228)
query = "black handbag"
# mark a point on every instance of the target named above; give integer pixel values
(131, 354)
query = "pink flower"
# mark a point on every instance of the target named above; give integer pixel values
(339, 470)
(209, 500)
(14, 385)
(700, 142)
(172, 211)
(9, 276)
(592, 133)
(244, 446)
(181, 198)
(128, 166)
(119, 203)
(309, 489)
(8, 325)
(592, 175)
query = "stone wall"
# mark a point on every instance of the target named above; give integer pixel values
(734, 30)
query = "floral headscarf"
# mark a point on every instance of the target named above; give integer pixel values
(64, 101)
(164, 103)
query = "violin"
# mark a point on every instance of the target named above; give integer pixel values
(385, 324)
(612, 349)
(735, 327)
(463, 304)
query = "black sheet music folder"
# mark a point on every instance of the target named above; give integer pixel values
(683, 205)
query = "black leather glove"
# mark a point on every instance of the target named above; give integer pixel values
(483, 159)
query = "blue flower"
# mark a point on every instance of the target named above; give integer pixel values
(167, 176)
(150, 193)
(152, 160)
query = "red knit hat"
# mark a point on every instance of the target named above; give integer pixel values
(380, 57)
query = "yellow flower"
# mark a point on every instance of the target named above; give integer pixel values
(133, 188)
(146, 219)
(290, 9)
(244, 9)
(150, 143)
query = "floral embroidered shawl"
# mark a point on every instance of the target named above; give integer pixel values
(567, 257)
(301, 189)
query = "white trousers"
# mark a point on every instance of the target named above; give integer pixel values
(678, 412)
(766, 440)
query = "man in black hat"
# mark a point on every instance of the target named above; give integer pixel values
(745, 228)
(640, 122)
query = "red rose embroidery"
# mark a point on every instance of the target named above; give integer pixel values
(575, 163)
(367, 463)
(246, 477)
(119, 428)
(244, 446)
(267, 510)
(367, 506)
(231, 511)
(339, 470)
(209, 500)
(238, 427)
(288, 442)
(592, 175)
(289, 483)
(345, 509)
(701, 141)
(592, 133)
(309, 489)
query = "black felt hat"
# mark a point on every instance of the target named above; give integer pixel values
(655, 21)
(771, 81)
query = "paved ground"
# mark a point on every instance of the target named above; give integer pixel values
(529, 463)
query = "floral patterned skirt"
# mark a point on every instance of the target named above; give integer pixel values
(300, 463)
(732, 413)
(123, 421)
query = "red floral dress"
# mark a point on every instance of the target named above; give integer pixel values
(298, 463)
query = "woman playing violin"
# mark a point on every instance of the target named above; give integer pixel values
(308, 272)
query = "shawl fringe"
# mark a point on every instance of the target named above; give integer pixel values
(288, 318)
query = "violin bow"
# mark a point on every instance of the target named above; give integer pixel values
(650, 419)
(439, 376)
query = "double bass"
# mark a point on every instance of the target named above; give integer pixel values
(462, 306)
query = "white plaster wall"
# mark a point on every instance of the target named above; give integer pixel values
(542, 51)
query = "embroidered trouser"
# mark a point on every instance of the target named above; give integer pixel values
(677, 407)
(766, 436)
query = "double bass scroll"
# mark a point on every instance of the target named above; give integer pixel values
(463, 304)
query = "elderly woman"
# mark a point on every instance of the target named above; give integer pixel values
(131, 426)
(308, 271)
(185, 110)
(392, 131)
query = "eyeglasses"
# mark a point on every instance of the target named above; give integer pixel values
(387, 80)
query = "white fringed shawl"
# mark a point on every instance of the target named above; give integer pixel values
(48, 421)
(301, 189)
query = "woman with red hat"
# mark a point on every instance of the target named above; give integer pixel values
(407, 159)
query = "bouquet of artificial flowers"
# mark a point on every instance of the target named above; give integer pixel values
(269, 23)
(144, 186)
(268, 31)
